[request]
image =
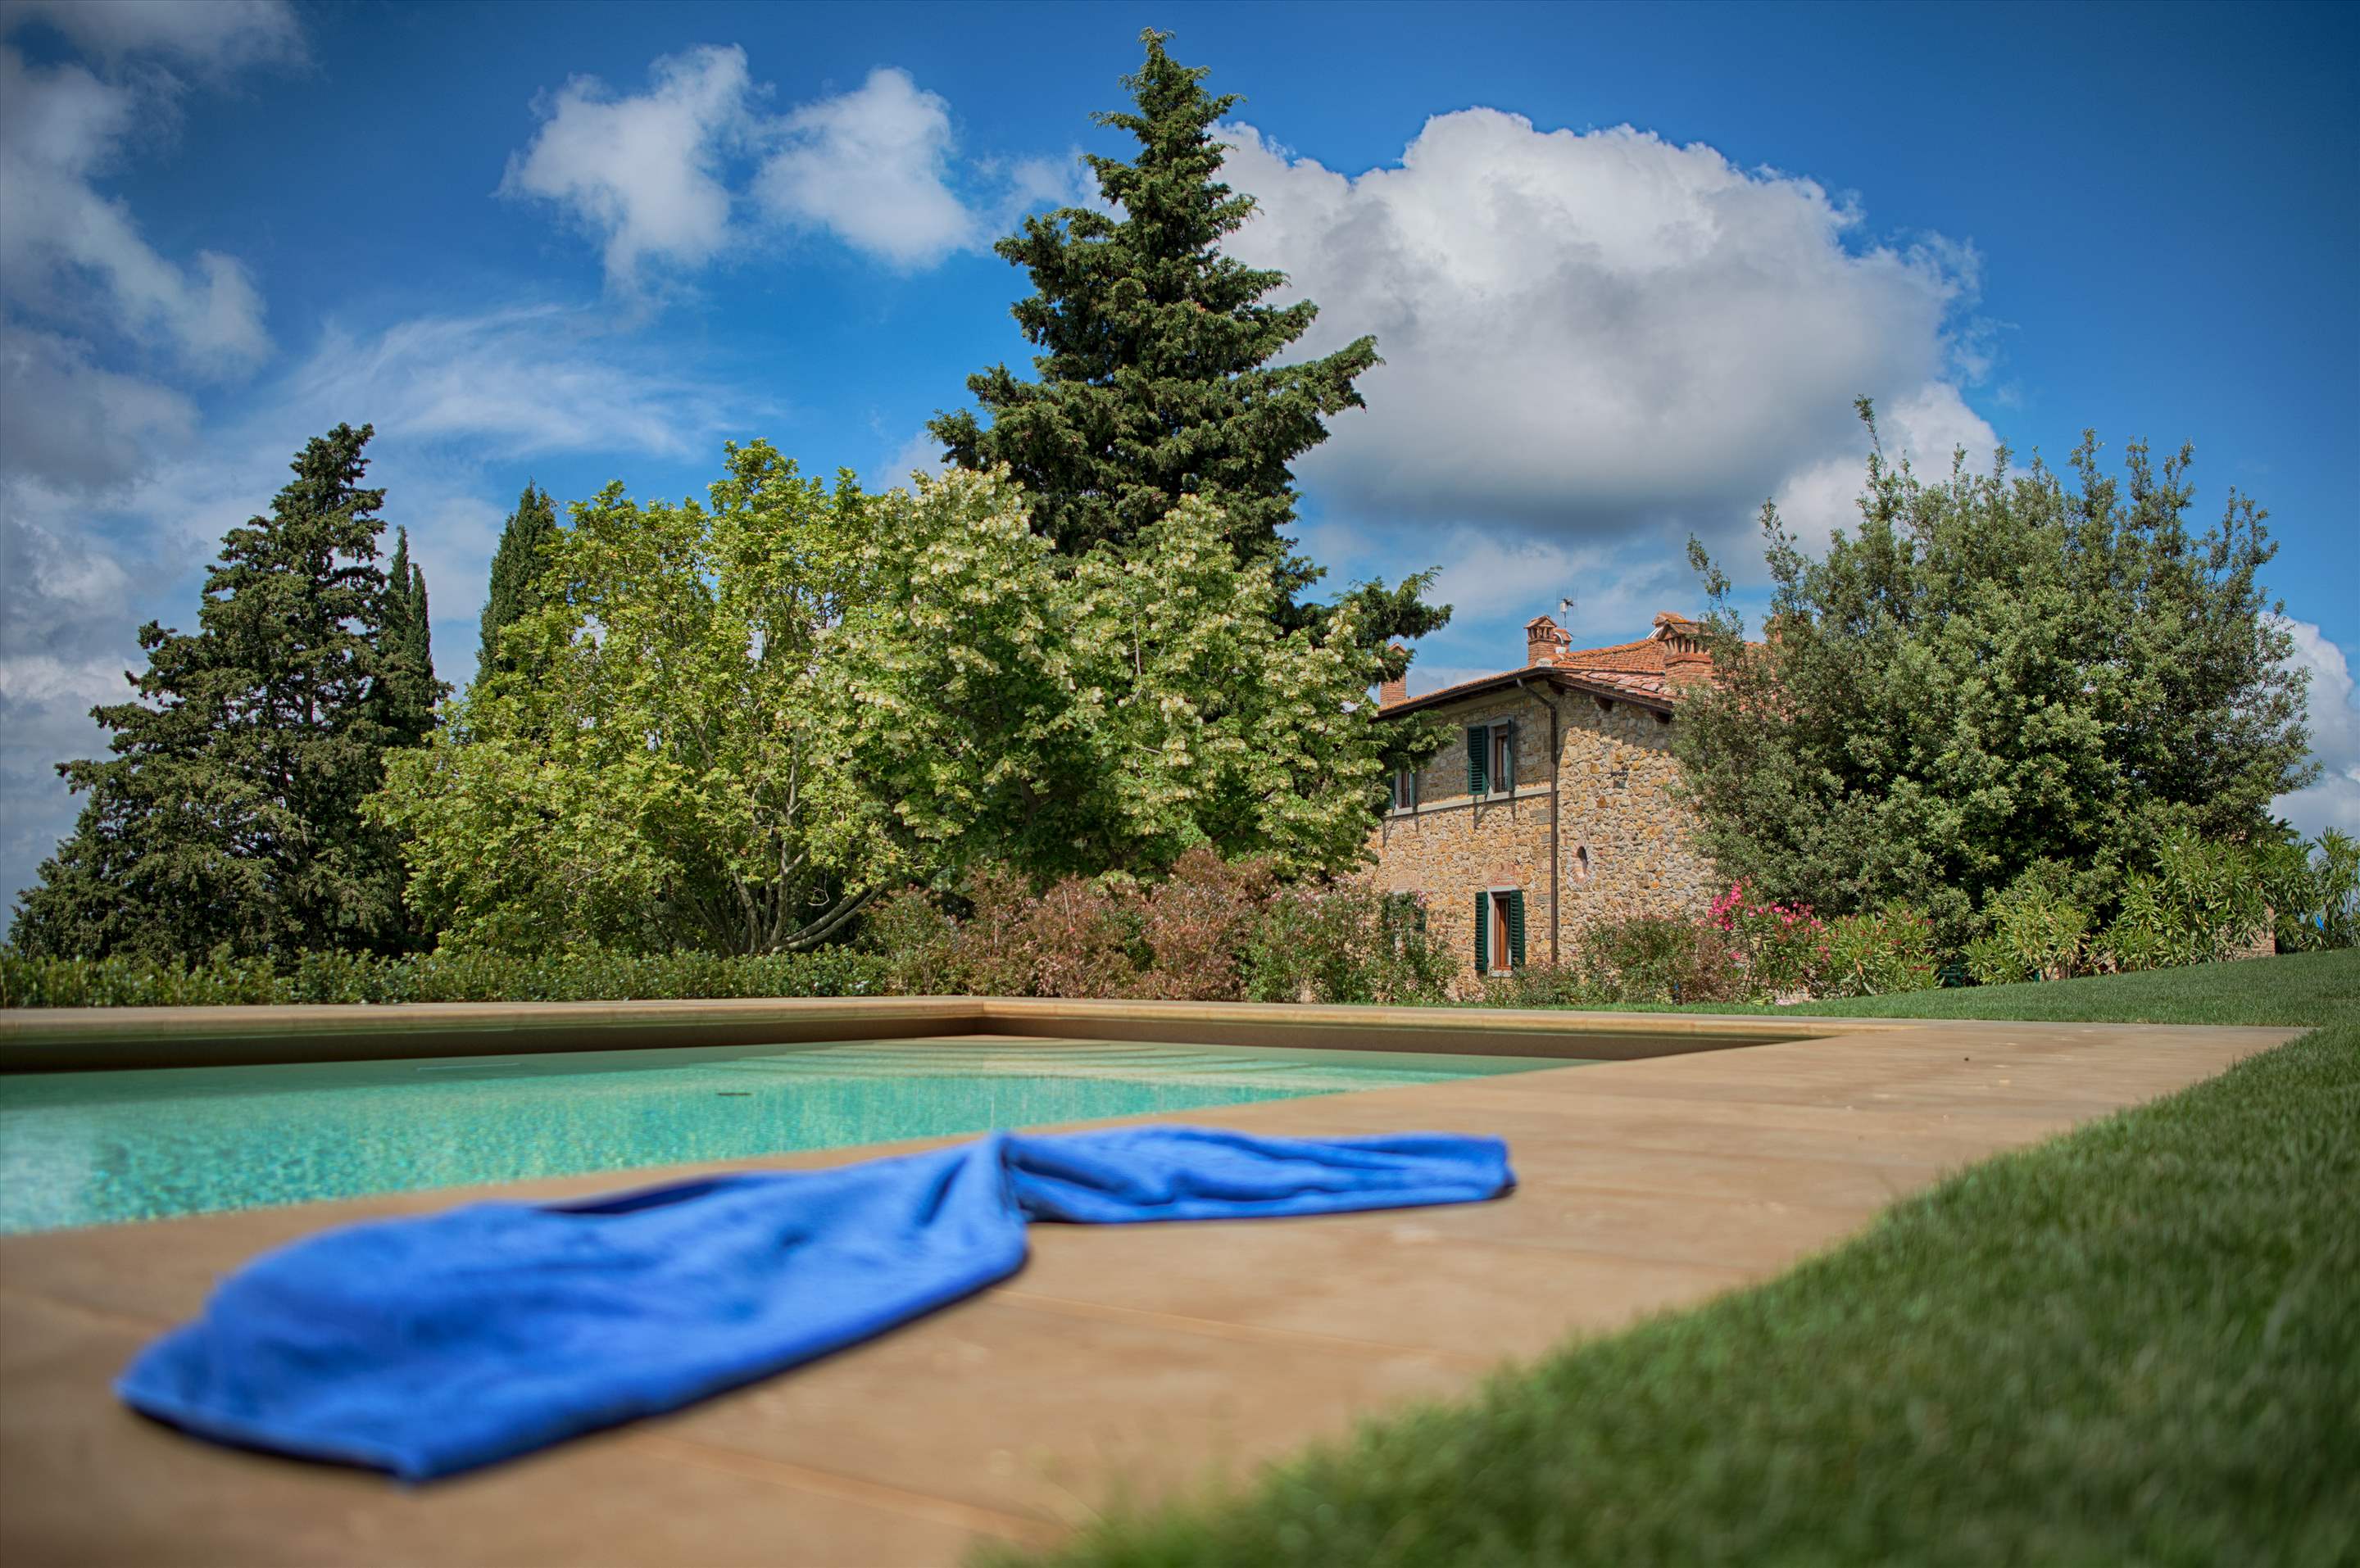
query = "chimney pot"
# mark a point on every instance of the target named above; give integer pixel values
(1542, 639)
(1396, 690)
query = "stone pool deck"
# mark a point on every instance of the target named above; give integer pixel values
(1123, 1361)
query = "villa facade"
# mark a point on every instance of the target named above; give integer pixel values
(1552, 807)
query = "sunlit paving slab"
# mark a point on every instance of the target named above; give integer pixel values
(1123, 1362)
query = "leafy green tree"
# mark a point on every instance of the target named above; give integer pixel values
(1990, 671)
(732, 724)
(643, 764)
(1155, 381)
(228, 817)
(519, 567)
(1007, 704)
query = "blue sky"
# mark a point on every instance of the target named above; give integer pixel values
(1627, 265)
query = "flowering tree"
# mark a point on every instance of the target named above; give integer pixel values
(1105, 712)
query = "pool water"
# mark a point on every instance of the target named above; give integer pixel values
(80, 1149)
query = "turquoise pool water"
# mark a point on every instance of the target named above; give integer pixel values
(80, 1149)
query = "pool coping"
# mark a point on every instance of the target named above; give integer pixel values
(1124, 1361)
(52, 1039)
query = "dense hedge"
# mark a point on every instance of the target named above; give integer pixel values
(592, 976)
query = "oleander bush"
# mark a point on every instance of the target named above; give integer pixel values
(1780, 946)
(1879, 955)
(2036, 928)
(584, 976)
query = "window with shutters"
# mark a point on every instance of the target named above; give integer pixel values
(1499, 931)
(1491, 759)
(1405, 789)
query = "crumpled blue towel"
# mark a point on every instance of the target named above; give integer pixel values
(433, 1345)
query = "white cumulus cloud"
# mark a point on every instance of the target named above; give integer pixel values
(1585, 332)
(669, 175)
(644, 172)
(2334, 800)
(873, 166)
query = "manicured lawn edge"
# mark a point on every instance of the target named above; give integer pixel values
(2136, 1343)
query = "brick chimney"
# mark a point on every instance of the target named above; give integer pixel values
(1542, 639)
(1396, 689)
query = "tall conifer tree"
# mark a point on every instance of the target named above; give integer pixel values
(228, 816)
(410, 689)
(517, 570)
(1155, 381)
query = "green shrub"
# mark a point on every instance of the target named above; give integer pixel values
(1656, 958)
(587, 976)
(2336, 884)
(1540, 986)
(1345, 942)
(2035, 930)
(2201, 903)
(1878, 956)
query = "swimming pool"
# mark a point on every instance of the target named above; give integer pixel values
(100, 1148)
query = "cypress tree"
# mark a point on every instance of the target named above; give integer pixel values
(518, 567)
(228, 817)
(410, 689)
(1155, 381)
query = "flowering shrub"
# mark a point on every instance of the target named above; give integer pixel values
(1781, 946)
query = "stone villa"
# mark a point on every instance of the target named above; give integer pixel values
(1556, 810)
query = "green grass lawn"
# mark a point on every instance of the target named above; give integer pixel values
(2140, 1342)
(2298, 988)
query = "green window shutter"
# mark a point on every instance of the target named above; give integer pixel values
(1482, 933)
(1516, 929)
(1515, 735)
(1477, 739)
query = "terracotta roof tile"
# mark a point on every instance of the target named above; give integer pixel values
(1655, 668)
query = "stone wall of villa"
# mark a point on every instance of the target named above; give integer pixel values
(1627, 847)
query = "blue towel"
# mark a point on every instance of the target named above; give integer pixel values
(434, 1344)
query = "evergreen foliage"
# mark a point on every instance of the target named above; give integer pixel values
(1156, 376)
(1993, 671)
(520, 568)
(410, 689)
(227, 819)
